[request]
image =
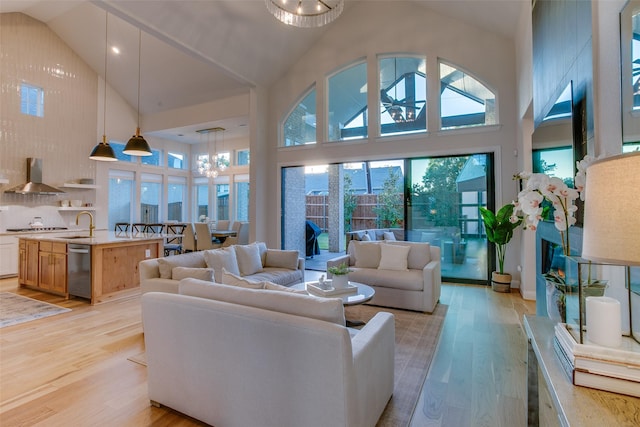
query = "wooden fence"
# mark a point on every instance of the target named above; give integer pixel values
(364, 216)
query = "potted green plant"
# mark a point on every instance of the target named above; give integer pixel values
(499, 228)
(339, 273)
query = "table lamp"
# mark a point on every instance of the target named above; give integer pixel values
(611, 230)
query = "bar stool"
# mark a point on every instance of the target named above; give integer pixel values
(121, 227)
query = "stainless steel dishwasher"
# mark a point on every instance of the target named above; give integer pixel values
(79, 270)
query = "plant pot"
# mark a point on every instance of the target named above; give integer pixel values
(340, 281)
(501, 282)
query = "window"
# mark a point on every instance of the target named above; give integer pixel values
(222, 201)
(150, 197)
(242, 157)
(201, 198)
(154, 159)
(176, 160)
(223, 160)
(348, 113)
(403, 93)
(120, 197)
(31, 100)
(118, 149)
(176, 198)
(242, 199)
(464, 101)
(556, 162)
(300, 125)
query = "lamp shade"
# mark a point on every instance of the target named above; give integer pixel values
(103, 152)
(611, 208)
(137, 146)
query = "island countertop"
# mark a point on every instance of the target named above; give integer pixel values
(100, 237)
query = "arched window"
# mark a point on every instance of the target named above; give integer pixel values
(348, 113)
(464, 101)
(403, 94)
(300, 126)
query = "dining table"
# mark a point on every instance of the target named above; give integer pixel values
(221, 235)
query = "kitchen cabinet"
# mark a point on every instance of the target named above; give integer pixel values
(53, 267)
(28, 262)
(8, 256)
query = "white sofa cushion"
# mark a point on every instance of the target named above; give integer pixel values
(281, 259)
(249, 260)
(393, 257)
(222, 258)
(179, 273)
(327, 309)
(233, 280)
(167, 264)
(366, 254)
(388, 235)
(419, 254)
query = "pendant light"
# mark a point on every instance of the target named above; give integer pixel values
(103, 151)
(137, 146)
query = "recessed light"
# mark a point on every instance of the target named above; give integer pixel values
(116, 50)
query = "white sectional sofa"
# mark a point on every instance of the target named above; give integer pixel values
(232, 356)
(404, 274)
(254, 262)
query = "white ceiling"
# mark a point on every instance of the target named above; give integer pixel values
(198, 51)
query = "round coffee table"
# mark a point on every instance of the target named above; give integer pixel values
(362, 294)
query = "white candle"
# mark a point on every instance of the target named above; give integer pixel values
(604, 322)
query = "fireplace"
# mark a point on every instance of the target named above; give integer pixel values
(550, 257)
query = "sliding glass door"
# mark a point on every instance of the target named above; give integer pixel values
(444, 194)
(432, 200)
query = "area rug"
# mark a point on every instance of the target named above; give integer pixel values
(417, 336)
(16, 309)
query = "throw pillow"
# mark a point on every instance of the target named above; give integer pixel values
(262, 247)
(393, 257)
(281, 259)
(222, 258)
(179, 273)
(167, 264)
(365, 238)
(249, 261)
(388, 235)
(367, 254)
(270, 286)
(419, 254)
(233, 280)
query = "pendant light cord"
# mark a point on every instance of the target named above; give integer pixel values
(106, 48)
(139, 66)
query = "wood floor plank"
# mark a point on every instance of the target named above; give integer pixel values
(72, 368)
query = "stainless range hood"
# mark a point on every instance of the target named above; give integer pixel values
(34, 184)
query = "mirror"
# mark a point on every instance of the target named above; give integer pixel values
(630, 83)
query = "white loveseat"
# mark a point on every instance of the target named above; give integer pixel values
(254, 262)
(404, 274)
(232, 356)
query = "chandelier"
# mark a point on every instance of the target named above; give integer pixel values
(305, 13)
(212, 164)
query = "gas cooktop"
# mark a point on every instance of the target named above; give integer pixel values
(37, 229)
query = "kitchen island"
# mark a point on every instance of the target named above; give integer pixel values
(112, 262)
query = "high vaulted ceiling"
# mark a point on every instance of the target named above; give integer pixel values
(199, 51)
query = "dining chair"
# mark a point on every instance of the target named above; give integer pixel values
(173, 241)
(203, 236)
(154, 228)
(241, 237)
(189, 243)
(223, 224)
(138, 227)
(121, 227)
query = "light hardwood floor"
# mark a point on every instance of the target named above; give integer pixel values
(72, 369)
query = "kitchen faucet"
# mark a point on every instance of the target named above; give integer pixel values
(91, 226)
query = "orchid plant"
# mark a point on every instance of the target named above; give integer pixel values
(539, 187)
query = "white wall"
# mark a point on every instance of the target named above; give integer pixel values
(370, 28)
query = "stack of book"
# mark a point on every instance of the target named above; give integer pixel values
(602, 368)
